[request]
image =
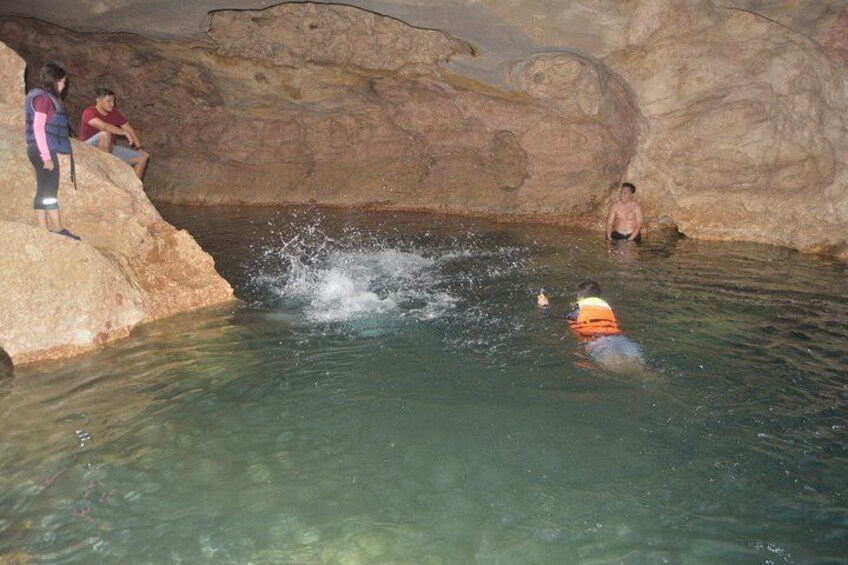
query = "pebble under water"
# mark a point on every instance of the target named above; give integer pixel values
(387, 393)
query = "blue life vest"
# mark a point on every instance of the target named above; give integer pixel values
(57, 126)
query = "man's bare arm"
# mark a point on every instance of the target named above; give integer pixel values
(132, 136)
(639, 220)
(103, 126)
(611, 219)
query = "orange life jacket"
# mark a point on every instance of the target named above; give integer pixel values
(595, 318)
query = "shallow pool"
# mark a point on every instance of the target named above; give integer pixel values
(388, 393)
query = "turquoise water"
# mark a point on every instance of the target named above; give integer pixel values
(386, 392)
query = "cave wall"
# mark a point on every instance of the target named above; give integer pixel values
(747, 133)
(729, 116)
(307, 103)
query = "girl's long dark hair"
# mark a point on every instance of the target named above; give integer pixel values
(51, 74)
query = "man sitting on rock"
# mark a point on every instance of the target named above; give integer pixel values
(103, 123)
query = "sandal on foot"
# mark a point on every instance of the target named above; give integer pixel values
(69, 234)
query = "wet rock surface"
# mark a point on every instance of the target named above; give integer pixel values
(60, 297)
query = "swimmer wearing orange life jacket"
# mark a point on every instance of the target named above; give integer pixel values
(590, 317)
(596, 327)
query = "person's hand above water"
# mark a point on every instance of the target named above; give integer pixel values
(542, 300)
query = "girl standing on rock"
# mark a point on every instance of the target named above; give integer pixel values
(47, 135)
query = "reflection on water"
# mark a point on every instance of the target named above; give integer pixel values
(387, 393)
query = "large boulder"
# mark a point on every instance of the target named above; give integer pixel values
(60, 297)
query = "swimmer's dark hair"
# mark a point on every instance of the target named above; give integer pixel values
(587, 289)
(630, 186)
(51, 74)
(103, 91)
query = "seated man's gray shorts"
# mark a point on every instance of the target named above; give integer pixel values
(122, 152)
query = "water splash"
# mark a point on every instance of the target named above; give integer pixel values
(353, 277)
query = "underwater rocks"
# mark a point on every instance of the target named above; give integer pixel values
(60, 297)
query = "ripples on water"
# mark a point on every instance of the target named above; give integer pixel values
(387, 393)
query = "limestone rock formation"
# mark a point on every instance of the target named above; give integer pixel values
(747, 125)
(835, 38)
(60, 297)
(292, 35)
(331, 104)
(6, 366)
(730, 115)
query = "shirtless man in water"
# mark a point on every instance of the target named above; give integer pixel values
(625, 216)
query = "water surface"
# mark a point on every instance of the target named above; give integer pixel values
(386, 392)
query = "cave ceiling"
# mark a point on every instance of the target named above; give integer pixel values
(500, 30)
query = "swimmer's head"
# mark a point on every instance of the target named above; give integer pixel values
(587, 289)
